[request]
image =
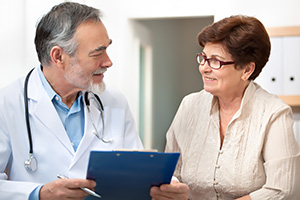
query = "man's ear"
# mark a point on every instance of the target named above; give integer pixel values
(56, 55)
(248, 70)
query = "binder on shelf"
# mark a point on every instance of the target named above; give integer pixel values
(271, 77)
(291, 65)
(129, 175)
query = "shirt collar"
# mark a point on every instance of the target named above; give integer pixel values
(54, 96)
(249, 92)
(51, 93)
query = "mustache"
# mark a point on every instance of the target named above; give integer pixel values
(100, 71)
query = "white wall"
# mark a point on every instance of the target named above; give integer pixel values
(272, 13)
(18, 19)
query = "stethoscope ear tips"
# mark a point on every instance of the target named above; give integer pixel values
(31, 164)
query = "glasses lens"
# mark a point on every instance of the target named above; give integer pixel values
(200, 59)
(214, 63)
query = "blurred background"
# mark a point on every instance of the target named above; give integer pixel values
(153, 50)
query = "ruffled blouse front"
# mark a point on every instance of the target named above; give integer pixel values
(259, 155)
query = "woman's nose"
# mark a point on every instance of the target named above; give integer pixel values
(204, 68)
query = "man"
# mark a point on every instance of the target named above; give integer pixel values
(65, 119)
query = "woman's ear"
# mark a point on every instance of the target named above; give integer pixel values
(248, 70)
(56, 55)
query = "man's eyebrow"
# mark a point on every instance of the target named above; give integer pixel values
(100, 48)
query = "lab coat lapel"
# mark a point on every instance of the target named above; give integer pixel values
(89, 136)
(41, 106)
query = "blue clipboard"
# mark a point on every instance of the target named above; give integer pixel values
(129, 175)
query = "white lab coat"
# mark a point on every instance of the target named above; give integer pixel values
(51, 145)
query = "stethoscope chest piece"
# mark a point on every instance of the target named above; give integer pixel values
(31, 164)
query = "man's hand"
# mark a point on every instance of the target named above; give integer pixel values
(175, 190)
(66, 188)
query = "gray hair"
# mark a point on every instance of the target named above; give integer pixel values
(58, 26)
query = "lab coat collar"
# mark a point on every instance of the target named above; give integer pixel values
(40, 105)
(39, 100)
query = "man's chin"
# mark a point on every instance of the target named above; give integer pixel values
(97, 88)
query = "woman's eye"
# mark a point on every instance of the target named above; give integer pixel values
(214, 60)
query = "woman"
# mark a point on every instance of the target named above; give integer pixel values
(236, 140)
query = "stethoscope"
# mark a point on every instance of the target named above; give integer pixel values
(31, 164)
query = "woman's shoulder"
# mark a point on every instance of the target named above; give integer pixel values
(202, 94)
(268, 99)
(197, 101)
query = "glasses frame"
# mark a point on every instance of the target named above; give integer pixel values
(209, 59)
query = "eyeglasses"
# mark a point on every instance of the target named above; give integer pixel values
(212, 62)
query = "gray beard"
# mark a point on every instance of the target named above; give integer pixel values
(97, 88)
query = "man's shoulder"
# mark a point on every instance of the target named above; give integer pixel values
(12, 94)
(112, 96)
(14, 88)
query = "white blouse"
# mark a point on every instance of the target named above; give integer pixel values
(259, 156)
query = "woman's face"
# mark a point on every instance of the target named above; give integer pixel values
(226, 81)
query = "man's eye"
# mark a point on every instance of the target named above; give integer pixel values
(96, 54)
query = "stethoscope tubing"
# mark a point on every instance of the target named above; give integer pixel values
(31, 163)
(27, 112)
(87, 101)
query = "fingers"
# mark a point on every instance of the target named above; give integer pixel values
(175, 190)
(66, 188)
(174, 187)
(157, 194)
(78, 183)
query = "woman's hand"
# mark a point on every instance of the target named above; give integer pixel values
(66, 188)
(244, 198)
(175, 190)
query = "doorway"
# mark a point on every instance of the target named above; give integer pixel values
(168, 71)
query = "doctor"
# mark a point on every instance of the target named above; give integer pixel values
(66, 119)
